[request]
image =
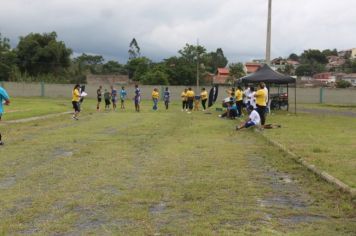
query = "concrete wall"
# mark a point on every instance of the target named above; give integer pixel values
(304, 95)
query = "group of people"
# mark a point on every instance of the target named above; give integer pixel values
(190, 100)
(255, 103)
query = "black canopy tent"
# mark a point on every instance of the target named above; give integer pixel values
(268, 76)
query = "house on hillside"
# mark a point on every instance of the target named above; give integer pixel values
(350, 78)
(252, 67)
(325, 77)
(335, 62)
(222, 76)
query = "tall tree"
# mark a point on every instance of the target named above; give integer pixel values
(215, 60)
(136, 67)
(42, 54)
(134, 49)
(89, 63)
(237, 70)
(7, 59)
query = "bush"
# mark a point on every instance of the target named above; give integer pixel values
(343, 84)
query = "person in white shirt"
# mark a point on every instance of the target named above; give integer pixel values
(245, 96)
(251, 97)
(253, 119)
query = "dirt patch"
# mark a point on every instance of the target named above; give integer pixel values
(158, 208)
(60, 152)
(7, 182)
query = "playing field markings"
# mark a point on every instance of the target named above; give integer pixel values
(36, 118)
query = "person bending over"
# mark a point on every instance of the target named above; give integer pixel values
(231, 110)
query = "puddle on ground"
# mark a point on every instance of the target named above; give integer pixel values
(7, 182)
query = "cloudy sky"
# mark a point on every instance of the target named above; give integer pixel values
(162, 27)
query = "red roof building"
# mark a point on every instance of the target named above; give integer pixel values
(252, 67)
(222, 76)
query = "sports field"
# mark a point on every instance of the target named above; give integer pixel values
(166, 173)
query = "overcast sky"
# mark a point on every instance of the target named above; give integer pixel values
(162, 27)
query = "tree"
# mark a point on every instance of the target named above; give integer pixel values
(313, 56)
(304, 70)
(42, 54)
(156, 76)
(136, 67)
(328, 52)
(293, 57)
(215, 60)
(237, 70)
(7, 59)
(134, 50)
(89, 63)
(113, 67)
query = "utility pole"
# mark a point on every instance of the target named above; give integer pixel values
(268, 43)
(197, 65)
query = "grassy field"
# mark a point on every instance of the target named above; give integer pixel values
(327, 141)
(157, 173)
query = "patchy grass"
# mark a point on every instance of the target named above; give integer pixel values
(24, 108)
(328, 141)
(158, 173)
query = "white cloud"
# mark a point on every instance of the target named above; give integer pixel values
(161, 27)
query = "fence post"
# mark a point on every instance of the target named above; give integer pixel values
(42, 89)
(321, 95)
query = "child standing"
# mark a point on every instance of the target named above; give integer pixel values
(107, 98)
(166, 97)
(123, 95)
(98, 95)
(137, 98)
(155, 97)
(184, 100)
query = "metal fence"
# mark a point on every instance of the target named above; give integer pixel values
(304, 95)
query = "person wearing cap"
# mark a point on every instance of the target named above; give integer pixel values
(252, 120)
(3, 97)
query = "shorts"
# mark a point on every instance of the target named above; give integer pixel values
(137, 100)
(107, 102)
(99, 99)
(76, 106)
(114, 101)
(249, 124)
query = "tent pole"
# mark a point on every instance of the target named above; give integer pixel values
(288, 97)
(295, 97)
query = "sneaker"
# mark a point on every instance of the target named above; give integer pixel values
(75, 118)
(1, 143)
(219, 116)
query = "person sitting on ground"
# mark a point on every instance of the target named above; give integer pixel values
(252, 120)
(107, 97)
(231, 111)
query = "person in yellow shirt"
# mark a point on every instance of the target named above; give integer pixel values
(184, 100)
(190, 99)
(75, 101)
(155, 97)
(239, 100)
(261, 99)
(204, 98)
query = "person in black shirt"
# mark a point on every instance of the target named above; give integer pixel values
(99, 95)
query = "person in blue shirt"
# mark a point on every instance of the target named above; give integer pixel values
(123, 95)
(231, 111)
(166, 97)
(4, 98)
